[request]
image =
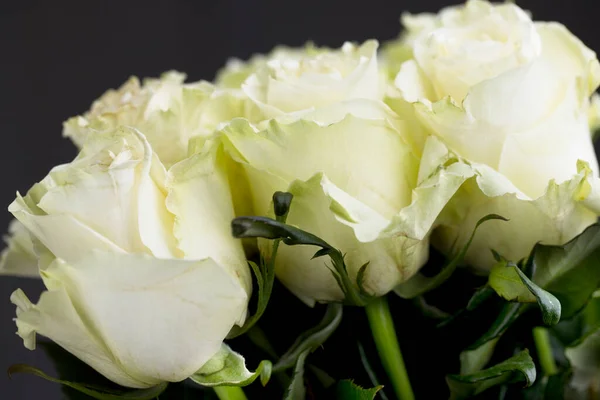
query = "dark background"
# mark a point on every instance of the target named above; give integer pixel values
(56, 57)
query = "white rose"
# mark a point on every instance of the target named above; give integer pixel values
(353, 170)
(509, 98)
(289, 80)
(144, 278)
(166, 110)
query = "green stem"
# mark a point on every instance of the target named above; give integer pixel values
(386, 341)
(541, 338)
(230, 393)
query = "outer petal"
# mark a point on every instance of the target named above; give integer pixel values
(19, 257)
(554, 218)
(492, 110)
(200, 198)
(565, 135)
(362, 156)
(136, 319)
(391, 259)
(568, 56)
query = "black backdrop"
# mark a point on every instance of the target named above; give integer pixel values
(56, 57)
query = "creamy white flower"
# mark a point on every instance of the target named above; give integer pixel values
(512, 95)
(289, 79)
(163, 256)
(168, 111)
(352, 169)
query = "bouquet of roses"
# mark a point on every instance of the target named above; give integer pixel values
(450, 172)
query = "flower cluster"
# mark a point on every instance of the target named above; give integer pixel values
(476, 110)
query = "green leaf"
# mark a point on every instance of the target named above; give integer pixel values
(268, 228)
(505, 280)
(518, 368)
(474, 360)
(348, 390)
(313, 338)
(509, 314)
(511, 283)
(93, 391)
(296, 390)
(228, 368)
(479, 297)
(571, 332)
(550, 306)
(570, 272)
(477, 355)
(420, 284)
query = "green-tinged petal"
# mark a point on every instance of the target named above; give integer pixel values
(366, 223)
(229, 368)
(18, 258)
(116, 313)
(437, 186)
(200, 199)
